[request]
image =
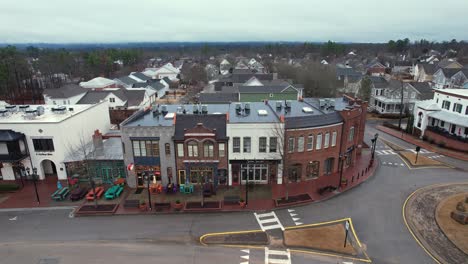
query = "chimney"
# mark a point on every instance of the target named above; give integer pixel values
(97, 142)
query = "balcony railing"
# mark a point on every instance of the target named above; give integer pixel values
(11, 157)
(445, 133)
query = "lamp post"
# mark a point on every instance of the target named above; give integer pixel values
(34, 177)
(146, 176)
(374, 144)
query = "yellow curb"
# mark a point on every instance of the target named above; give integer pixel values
(368, 260)
(411, 231)
(227, 233)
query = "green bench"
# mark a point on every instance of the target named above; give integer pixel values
(60, 194)
(113, 192)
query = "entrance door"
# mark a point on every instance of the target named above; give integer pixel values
(235, 174)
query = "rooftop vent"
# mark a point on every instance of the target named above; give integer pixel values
(262, 112)
(238, 108)
(307, 109)
(59, 109)
(288, 104)
(247, 106)
(4, 112)
(164, 109)
(41, 110)
(195, 109)
(30, 113)
(156, 112)
(169, 116)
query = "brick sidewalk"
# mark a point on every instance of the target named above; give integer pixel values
(26, 198)
(423, 144)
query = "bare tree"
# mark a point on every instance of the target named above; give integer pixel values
(279, 132)
(84, 152)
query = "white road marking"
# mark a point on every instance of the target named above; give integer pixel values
(282, 257)
(402, 164)
(245, 257)
(298, 223)
(14, 218)
(385, 152)
(270, 218)
(290, 210)
(246, 251)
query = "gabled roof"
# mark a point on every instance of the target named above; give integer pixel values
(167, 80)
(340, 71)
(424, 88)
(448, 73)
(267, 89)
(210, 121)
(65, 91)
(127, 80)
(446, 62)
(141, 76)
(98, 82)
(378, 82)
(157, 86)
(429, 69)
(132, 97)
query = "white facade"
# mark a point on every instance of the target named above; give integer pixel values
(66, 130)
(63, 101)
(448, 110)
(254, 131)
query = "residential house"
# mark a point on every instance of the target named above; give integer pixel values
(376, 69)
(67, 94)
(444, 119)
(167, 70)
(99, 83)
(443, 78)
(449, 64)
(423, 72)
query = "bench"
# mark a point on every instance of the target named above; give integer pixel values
(99, 192)
(231, 199)
(113, 192)
(60, 194)
(131, 204)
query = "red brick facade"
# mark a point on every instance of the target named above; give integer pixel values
(201, 157)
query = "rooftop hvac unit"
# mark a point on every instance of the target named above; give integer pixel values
(4, 112)
(247, 106)
(279, 105)
(288, 104)
(30, 113)
(307, 110)
(204, 109)
(195, 109)
(23, 108)
(59, 109)
(164, 109)
(11, 108)
(262, 112)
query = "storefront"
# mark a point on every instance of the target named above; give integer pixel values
(140, 171)
(196, 173)
(256, 172)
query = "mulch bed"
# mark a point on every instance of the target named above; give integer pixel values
(293, 199)
(250, 238)
(99, 210)
(162, 207)
(196, 206)
(139, 190)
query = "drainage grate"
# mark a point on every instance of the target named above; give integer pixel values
(49, 261)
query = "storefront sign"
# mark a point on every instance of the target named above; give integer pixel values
(43, 154)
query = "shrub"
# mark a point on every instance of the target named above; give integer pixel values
(441, 144)
(8, 187)
(177, 201)
(424, 138)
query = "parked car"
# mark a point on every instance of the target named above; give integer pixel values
(78, 194)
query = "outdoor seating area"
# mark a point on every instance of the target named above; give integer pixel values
(113, 192)
(90, 196)
(78, 194)
(60, 194)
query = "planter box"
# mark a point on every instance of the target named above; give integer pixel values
(207, 206)
(102, 209)
(158, 207)
(293, 200)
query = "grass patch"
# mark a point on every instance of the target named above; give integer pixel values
(325, 238)
(422, 160)
(9, 187)
(456, 232)
(241, 238)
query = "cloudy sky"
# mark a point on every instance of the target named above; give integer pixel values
(60, 21)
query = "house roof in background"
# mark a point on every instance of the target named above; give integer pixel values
(127, 80)
(98, 82)
(424, 88)
(218, 98)
(65, 91)
(313, 121)
(268, 89)
(379, 82)
(141, 76)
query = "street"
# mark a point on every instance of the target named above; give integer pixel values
(52, 236)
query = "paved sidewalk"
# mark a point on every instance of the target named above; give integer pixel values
(423, 144)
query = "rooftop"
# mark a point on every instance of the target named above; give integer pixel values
(40, 113)
(257, 112)
(65, 91)
(98, 82)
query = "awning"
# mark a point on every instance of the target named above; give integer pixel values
(451, 118)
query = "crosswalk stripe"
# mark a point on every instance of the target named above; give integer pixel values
(298, 223)
(273, 260)
(273, 221)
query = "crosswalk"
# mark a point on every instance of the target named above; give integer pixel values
(436, 156)
(385, 152)
(245, 256)
(277, 256)
(294, 217)
(423, 151)
(268, 221)
(393, 164)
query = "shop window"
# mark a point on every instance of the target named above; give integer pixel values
(167, 148)
(236, 145)
(222, 176)
(145, 148)
(329, 165)
(300, 144)
(313, 169)
(273, 144)
(351, 134)
(221, 150)
(262, 144)
(294, 173)
(247, 144)
(192, 149)
(208, 149)
(310, 142)
(181, 176)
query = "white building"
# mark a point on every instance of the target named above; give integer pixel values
(41, 136)
(68, 94)
(98, 83)
(446, 113)
(255, 135)
(167, 70)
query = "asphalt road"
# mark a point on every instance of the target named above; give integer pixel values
(51, 236)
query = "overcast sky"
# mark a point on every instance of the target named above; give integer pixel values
(59, 21)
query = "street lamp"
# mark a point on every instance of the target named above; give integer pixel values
(34, 177)
(146, 176)
(374, 144)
